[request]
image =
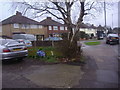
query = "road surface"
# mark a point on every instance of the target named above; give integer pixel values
(101, 70)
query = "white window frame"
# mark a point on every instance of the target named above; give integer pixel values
(55, 27)
(15, 25)
(25, 26)
(50, 27)
(62, 28)
(33, 26)
(40, 26)
(65, 28)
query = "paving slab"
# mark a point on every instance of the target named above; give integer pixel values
(56, 76)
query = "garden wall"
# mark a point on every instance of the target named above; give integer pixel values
(43, 43)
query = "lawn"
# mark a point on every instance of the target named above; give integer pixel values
(93, 43)
(50, 54)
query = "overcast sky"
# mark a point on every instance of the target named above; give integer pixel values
(111, 15)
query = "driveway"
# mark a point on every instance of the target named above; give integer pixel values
(34, 74)
(101, 70)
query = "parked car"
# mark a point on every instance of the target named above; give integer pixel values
(29, 37)
(11, 49)
(26, 42)
(53, 39)
(112, 39)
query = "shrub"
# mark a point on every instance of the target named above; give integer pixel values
(69, 50)
(82, 35)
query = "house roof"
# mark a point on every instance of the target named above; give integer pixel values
(49, 21)
(100, 27)
(93, 27)
(18, 18)
(84, 25)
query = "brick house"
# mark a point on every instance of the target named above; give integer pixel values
(18, 24)
(53, 27)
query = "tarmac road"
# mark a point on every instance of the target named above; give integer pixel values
(101, 70)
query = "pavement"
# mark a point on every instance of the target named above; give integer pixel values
(100, 71)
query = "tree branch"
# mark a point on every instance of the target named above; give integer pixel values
(91, 6)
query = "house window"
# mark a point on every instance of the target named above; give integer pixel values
(61, 28)
(27, 26)
(16, 25)
(40, 26)
(33, 26)
(65, 28)
(24, 26)
(55, 27)
(50, 27)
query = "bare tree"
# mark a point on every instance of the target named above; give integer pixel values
(61, 10)
(69, 11)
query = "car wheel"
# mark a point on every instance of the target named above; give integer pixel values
(117, 42)
(107, 42)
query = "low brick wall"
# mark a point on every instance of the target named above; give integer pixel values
(43, 43)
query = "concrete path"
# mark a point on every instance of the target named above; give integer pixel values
(101, 70)
(55, 76)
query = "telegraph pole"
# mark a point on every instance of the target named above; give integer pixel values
(105, 16)
(119, 30)
(112, 20)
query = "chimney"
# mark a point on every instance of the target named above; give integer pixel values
(48, 17)
(18, 13)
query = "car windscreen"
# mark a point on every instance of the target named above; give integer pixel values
(8, 42)
(3, 42)
(112, 35)
(19, 36)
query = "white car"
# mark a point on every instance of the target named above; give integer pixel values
(11, 49)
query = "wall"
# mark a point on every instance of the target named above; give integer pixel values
(56, 31)
(9, 29)
(89, 31)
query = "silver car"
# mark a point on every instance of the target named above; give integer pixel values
(10, 49)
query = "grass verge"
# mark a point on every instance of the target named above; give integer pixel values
(93, 43)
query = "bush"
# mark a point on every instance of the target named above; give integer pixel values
(82, 35)
(68, 50)
(64, 36)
